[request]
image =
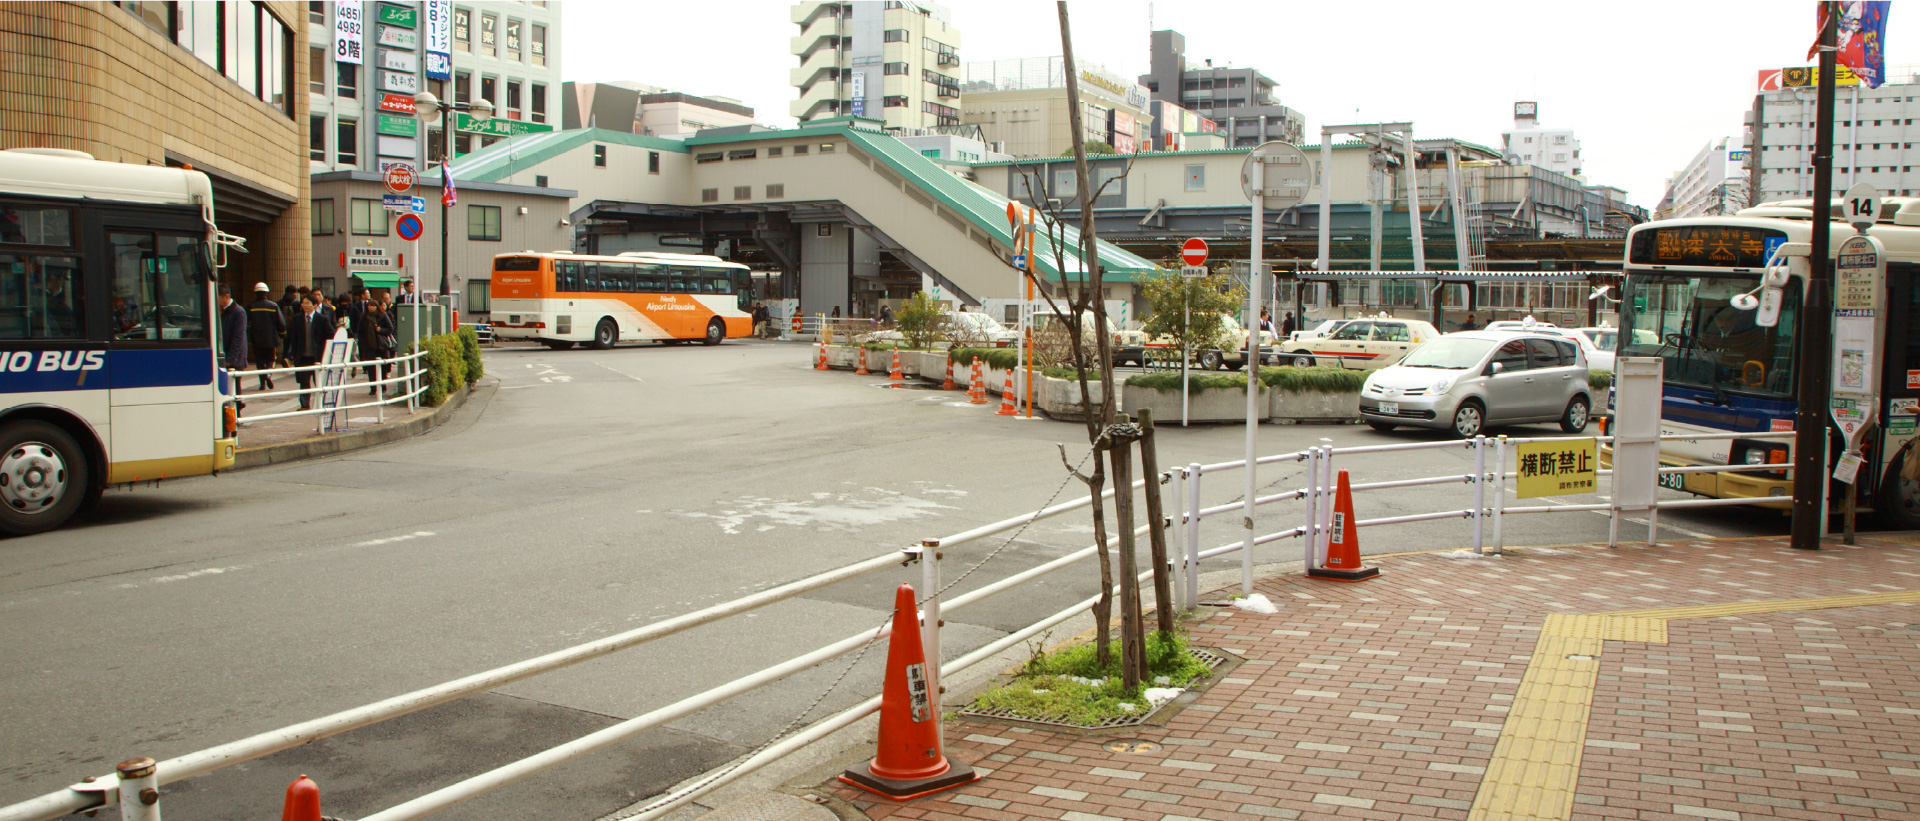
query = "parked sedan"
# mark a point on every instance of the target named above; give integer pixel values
(1466, 382)
(1362, 344)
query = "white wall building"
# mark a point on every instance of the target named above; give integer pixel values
(1712, 183)
(361, 114)
(895, 61)
(1555, 149)
(1873, 139)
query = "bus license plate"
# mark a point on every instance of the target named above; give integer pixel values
(1390, 408)
(1675, 481)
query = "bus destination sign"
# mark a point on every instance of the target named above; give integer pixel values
(1706, 246)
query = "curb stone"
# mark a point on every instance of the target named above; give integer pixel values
(314, 447)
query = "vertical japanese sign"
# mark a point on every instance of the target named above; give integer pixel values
(439, 39)
(1859, 273)
(1556, 468)
(348, 27)
(859, 97)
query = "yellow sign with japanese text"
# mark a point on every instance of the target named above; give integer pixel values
(1556, 468)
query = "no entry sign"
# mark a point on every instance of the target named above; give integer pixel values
(1194, 252)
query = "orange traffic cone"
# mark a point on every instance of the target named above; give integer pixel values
(893, 372)
(1343, 547)
(1006, 399)
(862, 370)
(977, 389)
(948, 385)
(303, 801)
(822, 364)
(907, 762)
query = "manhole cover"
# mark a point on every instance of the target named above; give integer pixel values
(1135, 746)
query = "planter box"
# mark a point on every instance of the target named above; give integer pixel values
(1215, 405)
(1313, 406)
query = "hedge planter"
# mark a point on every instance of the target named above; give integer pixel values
(1314, 406)
(1203, 405)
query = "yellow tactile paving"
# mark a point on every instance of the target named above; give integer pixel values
(1536, 763)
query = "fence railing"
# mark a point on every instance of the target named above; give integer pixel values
(1185, 515)
(401, 383)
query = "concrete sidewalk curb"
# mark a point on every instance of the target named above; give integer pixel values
(314, 447)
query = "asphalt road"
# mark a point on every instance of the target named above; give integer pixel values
(587, 493)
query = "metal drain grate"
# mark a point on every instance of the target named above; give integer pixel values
(1212, 661)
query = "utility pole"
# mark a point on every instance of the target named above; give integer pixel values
(1816, 319)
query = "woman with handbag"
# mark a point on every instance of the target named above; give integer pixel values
(377, 341)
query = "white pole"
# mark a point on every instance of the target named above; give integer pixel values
(1252, 363)
(1322, 263)
(1413, 202)
(1186, 350)
(1312, 531)
(930, 630)
(1479, 489)
(1193, 535)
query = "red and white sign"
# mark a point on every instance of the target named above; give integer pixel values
(1777, 425)
(400, 179)
(397, 102)
(1913, 380)
(1194, 251)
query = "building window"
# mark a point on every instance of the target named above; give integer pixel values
(743, 154)
(539, 180)
(322, 218)
(539, 103)
(463, 87)
(317, 12)
(777, 191)
(653, 162)
(743, 192)
(513, 100)
(774, 151)
(1196, 178)
(317, 138)
(599, 156)
(346, 144)
(894, 36)
(479, 295)
(825, 148)
(317, 70)
(514, 50)
(488, 87)
(346, 81)
(462, 30)
(537, 45)
(800, 150)
(483, 222)
(709, 195)
(705, 157)
(489, 36)
(369, 218)
(894, 101)
(893, 68)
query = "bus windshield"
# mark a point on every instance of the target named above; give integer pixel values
(1707, 343)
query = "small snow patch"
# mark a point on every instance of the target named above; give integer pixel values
(1464, 553)
(1256, 603)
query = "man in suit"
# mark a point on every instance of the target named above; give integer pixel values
(307, 337)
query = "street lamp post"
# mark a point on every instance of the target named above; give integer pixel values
(431, 107)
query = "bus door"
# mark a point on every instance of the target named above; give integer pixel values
(161, 351)
(1900, 377)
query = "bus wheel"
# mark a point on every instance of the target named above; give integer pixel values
(605, 335)
(715, 332)
(558, 345)
(43, 477)
(1899, 504)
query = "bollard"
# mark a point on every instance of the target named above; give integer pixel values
(139, 790)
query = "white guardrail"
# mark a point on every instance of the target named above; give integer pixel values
(1185, 513)
(326, 399)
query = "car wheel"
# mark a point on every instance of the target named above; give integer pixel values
(1382, 427)
(1300, 360)
(605, 335)
(1211, 361)
(1468, 420)
(1575, 419)
(554, 345)
(715, 332)
(1898, 505)
(43, 477)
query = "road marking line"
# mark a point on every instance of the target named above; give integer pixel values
(391, 539)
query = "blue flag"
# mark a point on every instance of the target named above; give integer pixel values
(1862, 38)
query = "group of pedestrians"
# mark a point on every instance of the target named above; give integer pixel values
(294, 331)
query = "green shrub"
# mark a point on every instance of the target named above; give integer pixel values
(446, 368)
(1002, 358)
(1313, 380)
(919, 320)
(1600, 380)
(470, 351)
(1169, 382)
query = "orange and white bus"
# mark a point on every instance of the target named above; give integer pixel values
(563, 299)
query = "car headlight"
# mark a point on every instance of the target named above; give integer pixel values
(1443, 386)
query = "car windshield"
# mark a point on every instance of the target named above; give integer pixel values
(1604, 339)
(1451, 353)
(1707, 343)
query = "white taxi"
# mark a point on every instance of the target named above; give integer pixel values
(1364, 344)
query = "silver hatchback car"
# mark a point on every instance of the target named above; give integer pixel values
(1468, 381)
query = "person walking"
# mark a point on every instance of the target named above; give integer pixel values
(1469, 324)
(886, 315)
(266, 328)
(1287, 326)
(233, 335)
(377, 341)
(307, 342)
(762, 321)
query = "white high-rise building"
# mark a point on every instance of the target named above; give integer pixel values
(1712, 183)
(1873, 139)
(897, 61)
(1555, 149)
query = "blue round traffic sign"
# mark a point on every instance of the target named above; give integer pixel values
(409, 227)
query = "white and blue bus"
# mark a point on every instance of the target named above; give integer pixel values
(108, 373)
(1725, 373)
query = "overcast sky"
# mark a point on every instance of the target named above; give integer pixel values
(1644, 84)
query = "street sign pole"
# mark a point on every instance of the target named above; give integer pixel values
(1816, 321)
(1257, 172)
(1193, 253)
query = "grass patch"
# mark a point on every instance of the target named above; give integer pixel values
(1048, 687)
(1169, 381)
(1599, 380)
(1313, 380)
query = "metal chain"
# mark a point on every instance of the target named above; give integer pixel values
(1071, 475)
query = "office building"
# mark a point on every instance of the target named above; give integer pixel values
(645, 109)
(1240, 100)
(1712, 183)
(1873, 139)
(1023, 103)
(1555, 149)
(169, 84)
(894, 61)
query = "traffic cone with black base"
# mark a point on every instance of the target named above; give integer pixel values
(1343, 546)
(907, 762)
(303, 801)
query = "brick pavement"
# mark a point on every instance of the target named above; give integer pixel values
(1445, 690)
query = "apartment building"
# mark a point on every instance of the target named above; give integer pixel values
(1555, 149)
(1240, 100)
(1873, 139)
(894, 61)
(1023, 104)
(1713, 182)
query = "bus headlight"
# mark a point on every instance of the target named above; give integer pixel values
(1756, 457)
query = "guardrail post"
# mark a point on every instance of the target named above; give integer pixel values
(930, 628)
(1310, 533)
(1193, 536)
(139, 790)
(313, 399)
(1329, 487)
(1178, 515)
(1499, 492)
(1653, 525)
(1479, 488)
